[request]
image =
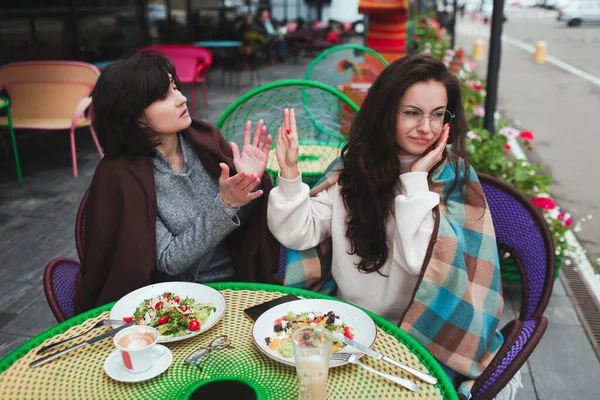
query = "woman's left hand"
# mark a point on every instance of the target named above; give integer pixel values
(254, 156)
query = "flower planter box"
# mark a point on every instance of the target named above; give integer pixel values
(510, 272)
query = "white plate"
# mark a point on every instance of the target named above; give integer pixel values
(126, 306)
(363, 327)
(114, 368)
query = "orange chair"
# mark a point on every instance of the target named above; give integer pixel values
(50, 95)
(191, 62)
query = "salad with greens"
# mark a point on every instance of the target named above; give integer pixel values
(283, 327)
(171, 315)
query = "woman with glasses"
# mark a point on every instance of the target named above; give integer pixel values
(404, 217)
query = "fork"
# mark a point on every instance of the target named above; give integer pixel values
(104, 322)
(353, 359)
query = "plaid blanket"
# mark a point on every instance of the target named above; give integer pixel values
(457, 303)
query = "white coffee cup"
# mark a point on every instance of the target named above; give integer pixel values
(138, 347)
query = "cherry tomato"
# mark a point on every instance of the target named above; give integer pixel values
(316, 321)
(158, 306)
(194, 325)
(168, 298)
(176, 299)
(139, 321)
(127, 319)
(184, 308)
(163, 320)
(347, 333)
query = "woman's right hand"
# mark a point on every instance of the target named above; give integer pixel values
(237, 190)
(287, 146)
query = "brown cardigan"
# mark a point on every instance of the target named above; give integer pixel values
(120, 233)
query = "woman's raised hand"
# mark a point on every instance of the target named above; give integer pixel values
(237, 191)
(287, 146)
(253, 158)
(430, 159)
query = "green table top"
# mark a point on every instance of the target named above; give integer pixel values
(80, 374)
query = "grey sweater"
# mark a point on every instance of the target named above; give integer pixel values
(192, 221)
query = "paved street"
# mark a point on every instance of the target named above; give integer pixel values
(560, 108)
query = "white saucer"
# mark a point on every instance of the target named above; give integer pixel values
(114, 368)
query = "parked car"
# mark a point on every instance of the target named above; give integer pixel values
(580, 12)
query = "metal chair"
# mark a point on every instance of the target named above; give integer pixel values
(51, 95)
(323, 116)
(521, 230)
(61, 276)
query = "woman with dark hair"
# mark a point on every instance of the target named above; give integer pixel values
(404, 217)
(171, 200)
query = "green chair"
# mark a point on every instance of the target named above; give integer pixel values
(323, 116)
(5, 104)
(362, 65)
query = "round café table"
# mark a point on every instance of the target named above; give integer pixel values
(80, 374)
(218, 43)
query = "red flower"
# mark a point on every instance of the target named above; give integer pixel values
(459, 54)
(569, 222)
(561, 217)
(544, 203)
(507, 146)
(527, 135)
(477, 86)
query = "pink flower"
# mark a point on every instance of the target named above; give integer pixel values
(527, 135)
(507, 146)
(479, 112)
(473, 135)
(569, 222)
(545, 203)
(561, 216)
(509, 132)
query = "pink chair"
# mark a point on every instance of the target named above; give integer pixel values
(191, 62)
(51, 95)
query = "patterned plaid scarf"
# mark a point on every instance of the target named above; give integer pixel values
(457, 303)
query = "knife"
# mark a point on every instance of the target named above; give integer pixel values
(372, 353)
(93, 340)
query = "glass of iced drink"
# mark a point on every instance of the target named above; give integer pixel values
(312, 350)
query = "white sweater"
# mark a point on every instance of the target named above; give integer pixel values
(300, 222)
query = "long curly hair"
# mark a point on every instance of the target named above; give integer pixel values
(371, 162)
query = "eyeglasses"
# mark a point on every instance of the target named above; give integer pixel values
(198, 356)
(412, 117)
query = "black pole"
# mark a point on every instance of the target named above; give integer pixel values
(319, 10)
(144, 22)
(189, 21)
(32, 30)
(453, 24)
(72, 21)
(493, 73)
(169, 7)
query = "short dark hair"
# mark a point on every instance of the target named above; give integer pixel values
(123, 91)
